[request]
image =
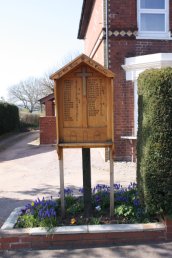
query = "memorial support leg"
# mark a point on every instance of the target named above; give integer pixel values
(61, 168)
(86, 165)
(111, 185)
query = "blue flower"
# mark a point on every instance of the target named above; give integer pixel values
(117, 186)
(136, 202)
(81, 190)
(97, 198)
(68, 191)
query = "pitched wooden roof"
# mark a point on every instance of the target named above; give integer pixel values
(82, 59)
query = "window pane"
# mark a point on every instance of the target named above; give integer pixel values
(152, 4)
(152, 22)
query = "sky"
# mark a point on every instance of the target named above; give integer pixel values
(36, 36)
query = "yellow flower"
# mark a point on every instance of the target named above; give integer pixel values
(73, 221)
(32, 204)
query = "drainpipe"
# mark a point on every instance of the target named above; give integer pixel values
(107, 151)
(107, 53)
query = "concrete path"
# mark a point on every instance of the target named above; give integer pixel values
(163, 250)
(29, 171)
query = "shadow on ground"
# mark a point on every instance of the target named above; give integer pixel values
(49, 190)
(150, 250)
(22, 145)
(9, 205)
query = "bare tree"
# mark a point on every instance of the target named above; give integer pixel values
(46, 84)
(27, 93)
(69, 57)
(2, 99)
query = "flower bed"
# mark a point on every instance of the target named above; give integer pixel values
(54, 233)
(47, 213)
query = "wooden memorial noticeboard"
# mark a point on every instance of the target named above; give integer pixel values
(83, 92)
(84, 104)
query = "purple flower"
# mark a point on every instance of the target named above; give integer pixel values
(117, 186)
(136, 202)
(42, 208)
(81, 190)
(98, 199)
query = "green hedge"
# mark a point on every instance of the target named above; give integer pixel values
(9, 118)
(154, 146)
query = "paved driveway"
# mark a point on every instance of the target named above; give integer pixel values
(28, 171)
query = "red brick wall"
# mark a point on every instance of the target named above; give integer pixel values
(20, 239)
(123, 98)
(47, 130)
(123, 91)
(144, 47)
(49, 108)
(122, 17)
(168, 223)
(122, 14)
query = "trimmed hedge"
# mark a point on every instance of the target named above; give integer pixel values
(154, 145)
(9, 117)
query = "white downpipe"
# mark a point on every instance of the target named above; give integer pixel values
(135, 108)
(107, 53)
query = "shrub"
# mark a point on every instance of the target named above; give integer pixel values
(29, 120)
(154, 166)
(9, 117)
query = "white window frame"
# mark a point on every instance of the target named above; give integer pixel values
(153, 34)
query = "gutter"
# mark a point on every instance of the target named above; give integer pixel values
(86, 12)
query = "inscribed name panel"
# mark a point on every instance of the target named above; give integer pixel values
(72, 102)
(97, 102)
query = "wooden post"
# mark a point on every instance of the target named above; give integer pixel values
(86, 165)
(61, 168)
(111, 184)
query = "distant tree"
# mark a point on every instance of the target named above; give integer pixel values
(46, 84)
(69, 57)
(27, 93)
(2, 99)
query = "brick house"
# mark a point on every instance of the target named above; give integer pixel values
(127, 37)
(47, 123)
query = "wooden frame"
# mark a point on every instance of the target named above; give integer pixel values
(84, 111)
(84, 116)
